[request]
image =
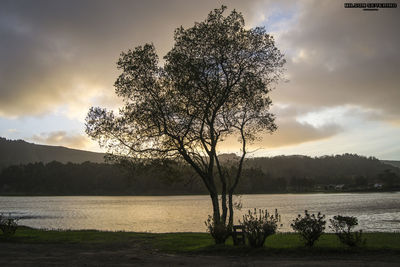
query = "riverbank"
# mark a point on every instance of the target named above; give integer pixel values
(332, 191)
(51, 247)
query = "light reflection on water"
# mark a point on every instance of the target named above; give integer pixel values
(375, 211)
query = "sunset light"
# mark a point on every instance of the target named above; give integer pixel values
(199, 133)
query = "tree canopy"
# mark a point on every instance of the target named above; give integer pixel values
(214, 83)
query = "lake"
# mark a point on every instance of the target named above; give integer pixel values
(375, 211)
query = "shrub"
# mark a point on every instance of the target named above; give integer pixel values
(310, 227)
(258, 226)
(8, 226)
(343, 227)
(218, 230)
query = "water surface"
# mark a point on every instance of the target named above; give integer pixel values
(375, 211)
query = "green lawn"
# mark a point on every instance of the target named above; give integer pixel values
(281, 243)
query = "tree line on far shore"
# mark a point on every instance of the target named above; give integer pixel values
(283, 174)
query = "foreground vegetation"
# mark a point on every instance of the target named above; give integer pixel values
(202, 243)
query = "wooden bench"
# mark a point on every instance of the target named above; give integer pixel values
(238, 235)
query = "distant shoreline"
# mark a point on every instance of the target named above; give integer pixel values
(169, 195)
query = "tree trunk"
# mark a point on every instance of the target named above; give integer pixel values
(216, 213)
(223, 203)
(230, 208)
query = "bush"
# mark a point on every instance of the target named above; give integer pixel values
(310, 227)
(343, 227)
(258, 226)
(8, 226)
(218, 230)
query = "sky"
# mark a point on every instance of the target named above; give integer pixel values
(340, 92)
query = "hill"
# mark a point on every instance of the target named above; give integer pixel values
(31, 169)
(282, 174)
(13, 152)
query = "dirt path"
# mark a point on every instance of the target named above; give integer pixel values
(12, 254)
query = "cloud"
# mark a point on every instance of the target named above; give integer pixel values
(62, 138)
(62, 53)
(347, 116)
(291, 131)
(339, 56)
(59, 57)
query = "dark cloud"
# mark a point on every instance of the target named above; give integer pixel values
(339, 56)
(62, 53)
(53, 53)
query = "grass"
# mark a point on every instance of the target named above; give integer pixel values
(202, 243)
(31, 235)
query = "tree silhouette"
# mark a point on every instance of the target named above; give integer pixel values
(214, 83)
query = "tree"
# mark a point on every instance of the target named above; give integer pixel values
(388, 177)
(214, 83)
(343, 227)
(310, 227)
(259, 225)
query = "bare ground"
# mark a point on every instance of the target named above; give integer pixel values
(16, 254)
